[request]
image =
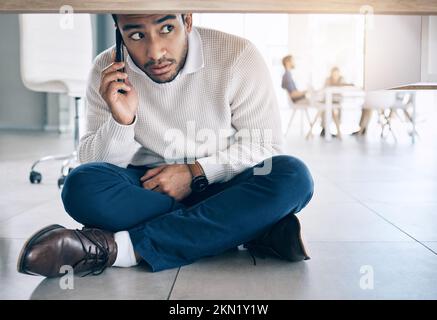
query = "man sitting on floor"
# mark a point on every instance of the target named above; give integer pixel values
(186, 162)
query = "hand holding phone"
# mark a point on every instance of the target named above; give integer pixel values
(116, 89)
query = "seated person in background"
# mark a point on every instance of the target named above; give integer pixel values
(288, 82)
(335, 79)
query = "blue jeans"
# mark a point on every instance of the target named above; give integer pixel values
(169, 233)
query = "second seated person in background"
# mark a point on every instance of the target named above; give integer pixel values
(335, 79)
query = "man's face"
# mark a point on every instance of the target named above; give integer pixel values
(158, 43)
(289, 64)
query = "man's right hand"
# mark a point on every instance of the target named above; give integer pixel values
(123, 106)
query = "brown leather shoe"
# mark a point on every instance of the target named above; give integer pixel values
(87, 250)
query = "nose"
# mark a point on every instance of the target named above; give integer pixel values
(155, 50)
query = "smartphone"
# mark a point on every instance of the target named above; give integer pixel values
(119, 54)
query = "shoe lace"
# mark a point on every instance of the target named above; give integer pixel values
(260, 251)
(99, 258)
(252, 251)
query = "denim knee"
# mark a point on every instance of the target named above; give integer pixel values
(77, 195)
(296, 178)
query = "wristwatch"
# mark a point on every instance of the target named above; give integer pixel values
(199, 181)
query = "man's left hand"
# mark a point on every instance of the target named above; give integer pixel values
(173, 180)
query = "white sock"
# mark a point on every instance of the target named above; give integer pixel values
(125, 250)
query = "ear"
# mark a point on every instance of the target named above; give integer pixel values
(188, 22)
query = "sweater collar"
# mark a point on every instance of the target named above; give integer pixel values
(194, 61)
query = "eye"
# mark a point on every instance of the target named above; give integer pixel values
(136, 36)
(167, 28)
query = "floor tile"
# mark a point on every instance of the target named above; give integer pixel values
(326, 192)
(346, 222)
(17, 194)
(432, 246)
(369, 193)
(115, 283)
(137, 283)
(19, 145)
(401, 192)
(14, 285)
(336, 271)
(419, 220)
(24, 225)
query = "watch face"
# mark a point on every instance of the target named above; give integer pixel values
(199, 183)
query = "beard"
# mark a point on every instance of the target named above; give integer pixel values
(173, 75)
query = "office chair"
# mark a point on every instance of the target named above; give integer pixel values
(295, 107)
(56, 57)
(403, 102)
(380, 101)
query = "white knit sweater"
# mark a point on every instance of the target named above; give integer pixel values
(223, 112)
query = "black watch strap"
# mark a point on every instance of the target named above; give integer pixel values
(199, 181)
(196, 169)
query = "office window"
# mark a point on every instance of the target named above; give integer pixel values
(269, 32)
(320, 42)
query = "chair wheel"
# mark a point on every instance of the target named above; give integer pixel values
(61, 182)
(35, 177)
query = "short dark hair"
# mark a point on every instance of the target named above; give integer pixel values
(114, 16)
(286, 59)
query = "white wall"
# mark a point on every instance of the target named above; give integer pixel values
(429, 49)
(320, 42)
(393, 51)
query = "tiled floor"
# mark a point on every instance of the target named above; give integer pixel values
(371, 229)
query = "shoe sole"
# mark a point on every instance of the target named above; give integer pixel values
(32, 239)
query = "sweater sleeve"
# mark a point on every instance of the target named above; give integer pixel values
(255, 119)
(105, 139)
